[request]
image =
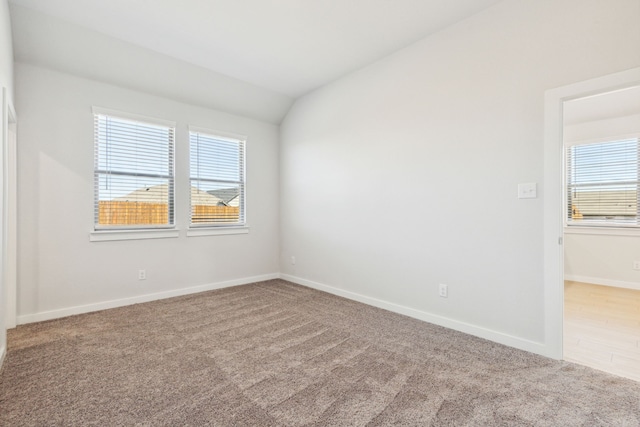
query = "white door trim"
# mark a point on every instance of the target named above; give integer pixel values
(553, 211)
(9, 212)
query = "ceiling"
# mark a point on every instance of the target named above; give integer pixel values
(286, 46)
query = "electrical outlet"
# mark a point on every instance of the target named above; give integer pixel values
(142, 274)
(636, 265)
(443, 290)
(293, 260)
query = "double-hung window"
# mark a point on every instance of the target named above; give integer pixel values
(602, 187)
(133, 171)
(217, 171)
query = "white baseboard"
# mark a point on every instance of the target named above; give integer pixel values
(491, 335)
(70, 311)
(499, 337)
(602, 281)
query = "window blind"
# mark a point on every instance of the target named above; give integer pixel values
(217, 168)
(602, 183)
(134, 173)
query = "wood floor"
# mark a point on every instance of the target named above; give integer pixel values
(602, 328)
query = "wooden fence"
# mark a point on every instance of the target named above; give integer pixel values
(604, 203)
(206, 213)
(140, 213)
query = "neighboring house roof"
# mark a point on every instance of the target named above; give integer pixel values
(199, 197)
(158, 194)
(228, 196)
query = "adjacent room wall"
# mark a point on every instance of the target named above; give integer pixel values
(6, 81)
(60, 271)
(404, 175)
(602, 259)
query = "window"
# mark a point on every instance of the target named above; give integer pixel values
(217, 179)
(602, 183)
(133, 172)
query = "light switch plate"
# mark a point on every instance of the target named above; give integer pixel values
(527, 190)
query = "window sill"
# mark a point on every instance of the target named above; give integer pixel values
(217, 231)
(109, 235)
(603, 231)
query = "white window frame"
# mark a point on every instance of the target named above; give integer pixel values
(221, 228)
(141, 231)
(598, 227)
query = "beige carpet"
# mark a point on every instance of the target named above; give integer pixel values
(277, 354)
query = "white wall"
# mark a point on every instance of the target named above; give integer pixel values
(404, 175)
(590, 256)
(6, 49)
(60, 271)
(602, 259)
(6, 81)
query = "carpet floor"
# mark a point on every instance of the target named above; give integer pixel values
(277, 354)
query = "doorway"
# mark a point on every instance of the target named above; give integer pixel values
(554, 207)
(601, 136)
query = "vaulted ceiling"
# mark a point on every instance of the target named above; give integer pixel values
(250, 58)
(287, 46)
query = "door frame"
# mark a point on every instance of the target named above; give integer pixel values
(9, 211)
(553, 195)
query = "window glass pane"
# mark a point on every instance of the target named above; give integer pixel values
(133, 189)
(602, 183)
(217, 180)
(216, 159)
(605, 163)
(133, 173)
(133, 147)
(214, 202)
